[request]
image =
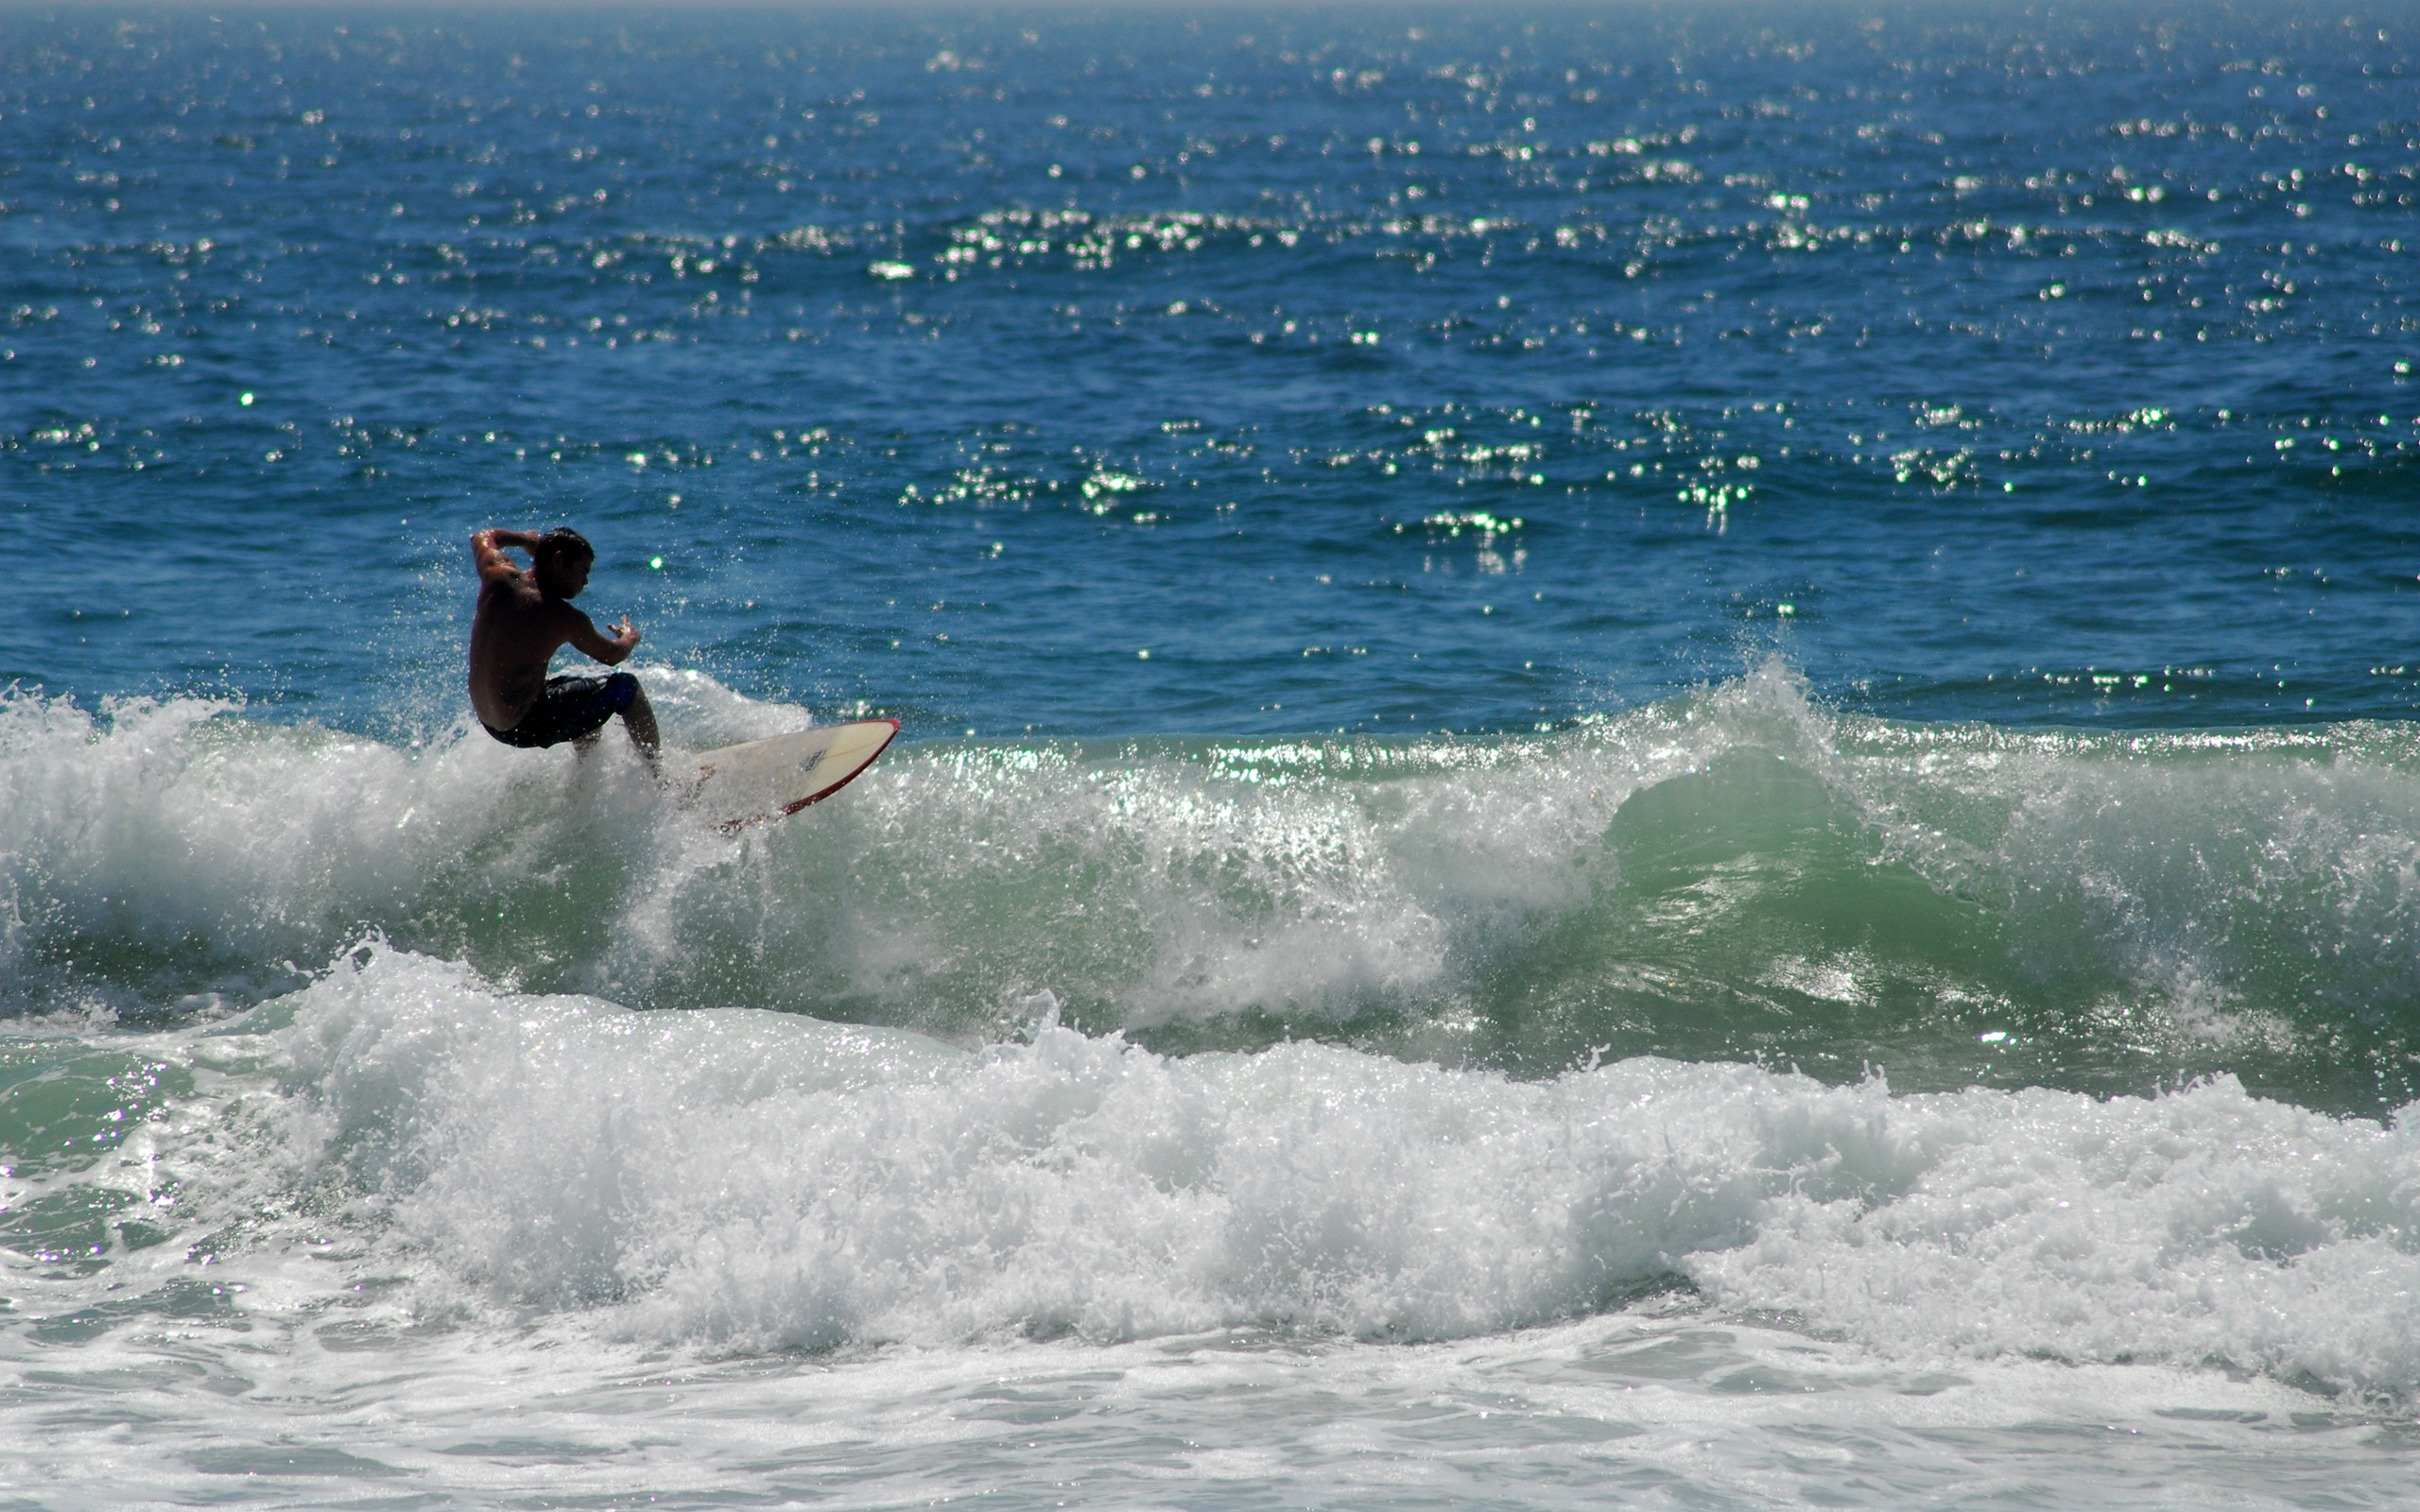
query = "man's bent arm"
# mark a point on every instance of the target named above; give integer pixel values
(585, 636)
(487, 550)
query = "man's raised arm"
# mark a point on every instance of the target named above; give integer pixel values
(488, 547)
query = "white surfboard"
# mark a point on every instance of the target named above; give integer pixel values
(762, 780)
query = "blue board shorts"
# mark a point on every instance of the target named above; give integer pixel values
(568, 708)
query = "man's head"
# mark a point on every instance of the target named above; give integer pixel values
(562, 558)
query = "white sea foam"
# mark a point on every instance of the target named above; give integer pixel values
(509, 1192)
(739, 1181)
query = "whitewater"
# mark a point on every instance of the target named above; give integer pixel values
(647, 1169)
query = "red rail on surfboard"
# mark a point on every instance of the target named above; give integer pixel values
(760, 780)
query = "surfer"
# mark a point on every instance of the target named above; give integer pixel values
(523, 618)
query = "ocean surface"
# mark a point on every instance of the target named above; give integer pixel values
(1653, 756)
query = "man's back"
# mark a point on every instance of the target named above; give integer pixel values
(515, 634)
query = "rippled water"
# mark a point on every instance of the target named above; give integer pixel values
(2043, 368)
(1653, 755)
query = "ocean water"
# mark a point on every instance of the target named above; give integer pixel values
(1653, 756)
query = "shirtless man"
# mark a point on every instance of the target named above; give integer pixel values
(522, 617)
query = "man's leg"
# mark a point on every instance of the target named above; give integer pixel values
(638, 717)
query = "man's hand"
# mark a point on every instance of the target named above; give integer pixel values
(626, 635)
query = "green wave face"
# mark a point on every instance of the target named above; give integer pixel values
(1737, 874)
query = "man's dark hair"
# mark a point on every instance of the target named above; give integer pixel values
(568, 544)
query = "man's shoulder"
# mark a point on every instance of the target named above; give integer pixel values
(511, 582)
(533, 607)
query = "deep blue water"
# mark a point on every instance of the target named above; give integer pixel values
(2014, 351)
(1653, 754)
